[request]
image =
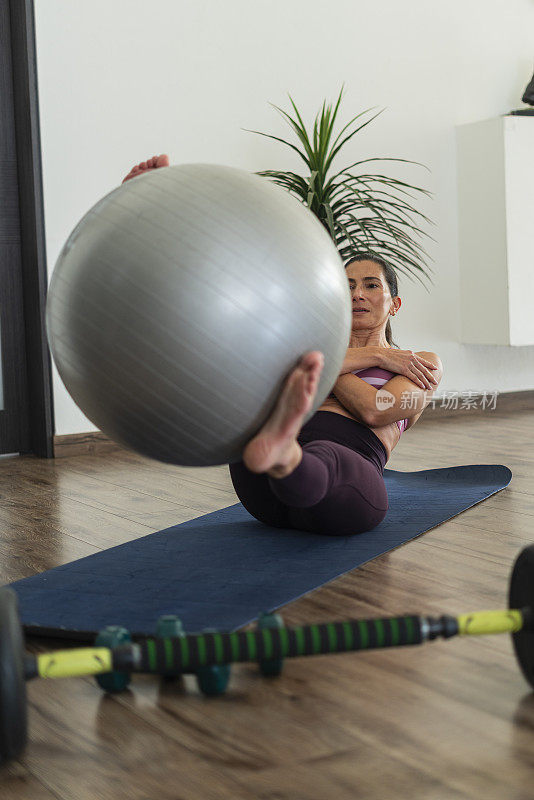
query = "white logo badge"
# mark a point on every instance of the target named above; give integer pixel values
(384, 399)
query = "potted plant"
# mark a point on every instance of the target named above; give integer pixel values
(368, 212)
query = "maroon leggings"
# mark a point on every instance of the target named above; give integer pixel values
(337, 489)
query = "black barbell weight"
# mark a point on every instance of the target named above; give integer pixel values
(13, 706)
(521, 595)
(192, 652)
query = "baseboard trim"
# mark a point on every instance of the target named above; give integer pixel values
(501, 403)
(96, 443)
(92, 443)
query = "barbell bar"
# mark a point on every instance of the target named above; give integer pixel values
(176, 655)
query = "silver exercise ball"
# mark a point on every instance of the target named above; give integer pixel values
(181, 302)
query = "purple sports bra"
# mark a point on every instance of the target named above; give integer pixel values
(376, 376)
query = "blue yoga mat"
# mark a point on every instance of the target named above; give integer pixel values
(220, 570)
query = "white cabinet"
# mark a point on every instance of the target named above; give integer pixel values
(496, 230)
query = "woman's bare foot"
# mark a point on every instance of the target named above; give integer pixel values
(275, 449)
(145, 166)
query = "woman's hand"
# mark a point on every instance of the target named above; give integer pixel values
(406, 362)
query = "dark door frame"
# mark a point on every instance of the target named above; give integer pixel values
(32, 231)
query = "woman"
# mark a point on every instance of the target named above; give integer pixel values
(327, 476)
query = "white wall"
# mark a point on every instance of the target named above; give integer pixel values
(122, 80)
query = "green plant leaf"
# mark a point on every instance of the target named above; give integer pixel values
(330, 220)
(277, 138)
(335, 150)
(378, 207)
(388, 180)
(290, 181)
(385, 158)
(300, 130)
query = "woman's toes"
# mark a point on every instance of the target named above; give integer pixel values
(152, 163)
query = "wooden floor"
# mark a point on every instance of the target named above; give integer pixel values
(445, 721)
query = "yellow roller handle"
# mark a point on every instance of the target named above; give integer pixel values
(73, 663)
(484, 622)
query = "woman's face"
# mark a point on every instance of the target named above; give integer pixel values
(369, 291)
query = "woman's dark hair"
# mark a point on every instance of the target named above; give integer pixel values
(390, 276)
